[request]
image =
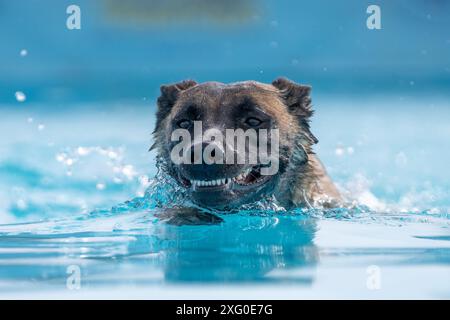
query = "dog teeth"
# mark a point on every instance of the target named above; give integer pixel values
(209, 183)
(242, 176)
(219, 182)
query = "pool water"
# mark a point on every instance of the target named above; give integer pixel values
(79, 207)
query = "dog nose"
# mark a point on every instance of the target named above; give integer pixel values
(206, 152)
(207, 161)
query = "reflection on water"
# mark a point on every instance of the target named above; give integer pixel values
(240, 249)
(136, 251)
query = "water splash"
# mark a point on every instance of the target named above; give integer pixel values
(130, 244)
(164, 192)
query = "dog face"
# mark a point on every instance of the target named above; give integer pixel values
(230, 144)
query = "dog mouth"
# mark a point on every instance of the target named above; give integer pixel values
(247, 178)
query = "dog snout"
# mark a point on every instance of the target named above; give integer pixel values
(207, 161)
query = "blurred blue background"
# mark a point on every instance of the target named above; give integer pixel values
(126, 49)
(76, 112)
(381, 96)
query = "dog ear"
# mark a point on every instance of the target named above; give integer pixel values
(166, 101)
(169, 95)
(298, 101)
(296, 97)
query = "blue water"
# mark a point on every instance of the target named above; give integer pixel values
(80, 192)
(80, 189)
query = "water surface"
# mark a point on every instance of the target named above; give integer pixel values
(66, 181)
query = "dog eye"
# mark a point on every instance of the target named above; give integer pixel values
(184, 124)
(253, 122)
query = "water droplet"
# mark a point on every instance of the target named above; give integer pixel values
(140, 194)
(20, 96)
(23, 52)
(128, 171)
(41, 127)
(144, 181)
(339, 151)
(60, 157)
(112, 154)
(21, 204)
(100, 186)
(82, 151)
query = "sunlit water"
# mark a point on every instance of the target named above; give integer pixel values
(65, 179)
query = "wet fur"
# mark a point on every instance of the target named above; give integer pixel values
(303, 180)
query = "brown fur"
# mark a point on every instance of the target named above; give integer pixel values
(303, 180)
